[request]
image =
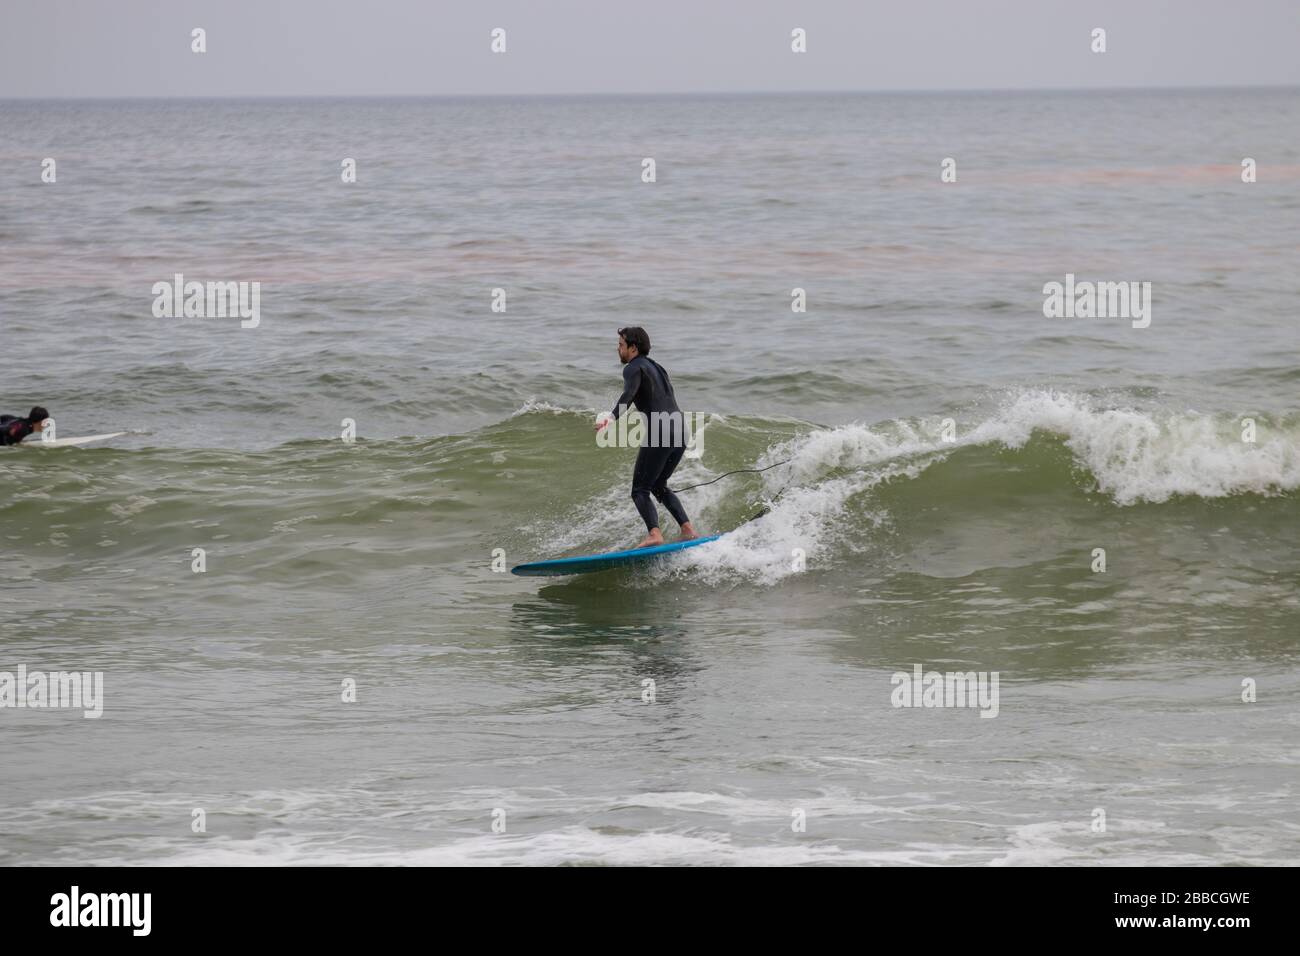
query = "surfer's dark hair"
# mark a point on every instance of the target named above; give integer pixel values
(39, 414)
(635, 335)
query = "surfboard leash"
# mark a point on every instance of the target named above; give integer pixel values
(738, 471)
(743, 471)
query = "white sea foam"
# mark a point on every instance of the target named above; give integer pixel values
(1134, 455)
(1153, 456)
(538, 405)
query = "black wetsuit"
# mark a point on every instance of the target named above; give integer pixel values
(14, 429)
(646, 385)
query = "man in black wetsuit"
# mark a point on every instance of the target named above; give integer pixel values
(14, 429)
(646, 385)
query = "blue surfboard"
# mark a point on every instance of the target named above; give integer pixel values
(585, 564)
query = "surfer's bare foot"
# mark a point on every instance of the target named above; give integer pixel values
(688, 532)
(654, 537)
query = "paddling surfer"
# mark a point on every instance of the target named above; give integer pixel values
(646, 385)
(14, 429)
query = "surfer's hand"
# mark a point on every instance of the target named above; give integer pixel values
(602, 423)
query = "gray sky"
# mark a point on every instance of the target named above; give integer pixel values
(441, 47)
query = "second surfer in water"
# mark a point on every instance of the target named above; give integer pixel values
(646, 385)
(14, 429)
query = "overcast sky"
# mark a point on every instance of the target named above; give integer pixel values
(441, 47)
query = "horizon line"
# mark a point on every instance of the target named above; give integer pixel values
(665, 93)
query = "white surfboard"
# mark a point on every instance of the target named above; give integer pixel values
(67, 442)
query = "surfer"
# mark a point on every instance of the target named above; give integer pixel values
(14, 429)
(646, 385)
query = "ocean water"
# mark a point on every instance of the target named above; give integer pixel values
(951, 460)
